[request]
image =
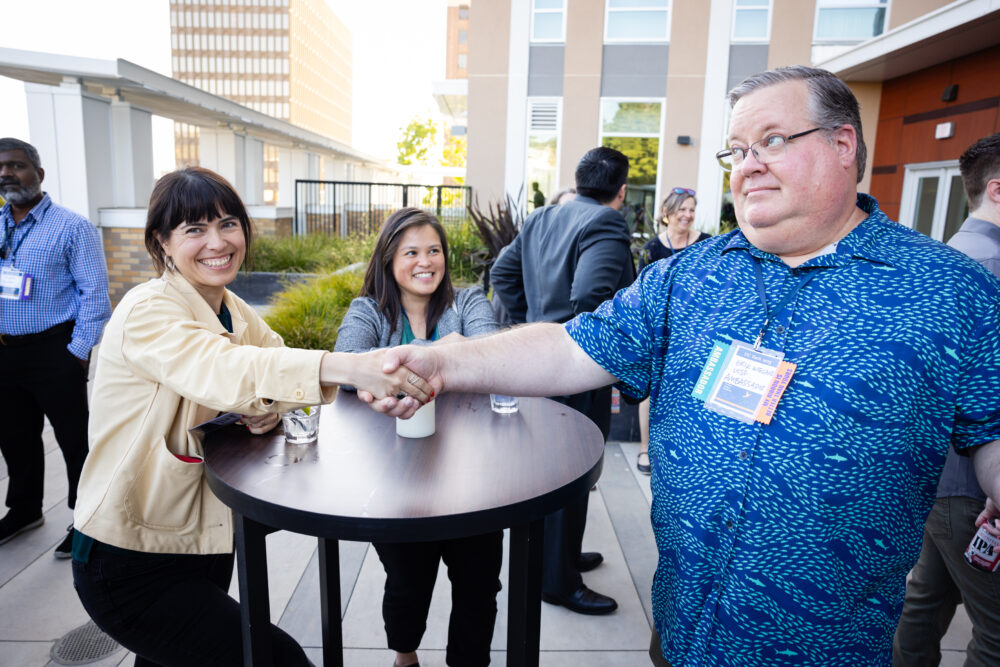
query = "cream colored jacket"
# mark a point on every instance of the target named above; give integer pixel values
(167, 364)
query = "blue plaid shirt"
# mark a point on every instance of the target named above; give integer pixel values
(63, 253)
(789, 544)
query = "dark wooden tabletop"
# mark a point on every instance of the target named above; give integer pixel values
(479, 472)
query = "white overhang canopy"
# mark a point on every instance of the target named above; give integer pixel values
(167, 97)
(952, 31)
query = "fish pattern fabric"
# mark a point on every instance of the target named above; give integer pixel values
(789, 543)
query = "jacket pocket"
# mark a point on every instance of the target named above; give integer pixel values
(166, 494)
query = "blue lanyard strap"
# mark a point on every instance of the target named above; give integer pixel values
(759, 276)
(5, 250)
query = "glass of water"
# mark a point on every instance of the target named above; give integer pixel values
(503, 405)
(302, 425)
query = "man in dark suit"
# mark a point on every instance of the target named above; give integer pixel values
(567, 260)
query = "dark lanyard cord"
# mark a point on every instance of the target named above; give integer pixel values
(759, 275)
(6, 251)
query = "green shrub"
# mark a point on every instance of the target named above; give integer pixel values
(307, 315)
(312, 253)
(466, 253)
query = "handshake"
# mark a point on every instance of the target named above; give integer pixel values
(394, 381)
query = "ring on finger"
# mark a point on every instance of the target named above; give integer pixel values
(401, 395)
(412, 379)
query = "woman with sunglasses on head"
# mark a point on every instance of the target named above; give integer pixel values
(407, 297)
(676, 233)
(153, 547)
(675, 229)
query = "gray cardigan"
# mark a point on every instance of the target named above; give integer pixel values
(364, 328)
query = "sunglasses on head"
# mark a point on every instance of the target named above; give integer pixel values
(683, 191)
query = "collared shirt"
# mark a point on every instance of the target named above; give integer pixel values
(62, 251)
(790, 543)
(980, 240)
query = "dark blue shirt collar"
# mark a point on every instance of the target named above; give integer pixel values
(863, 242)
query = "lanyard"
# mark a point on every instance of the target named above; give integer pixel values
(759, 275)
(5, 250)
(672, 250)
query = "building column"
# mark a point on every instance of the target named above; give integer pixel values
(224, 151)
(293, 164)
(72, 132)
(253, 172)
(132, 142)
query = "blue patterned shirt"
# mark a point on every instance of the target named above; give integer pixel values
(63, 253)
(789, 543)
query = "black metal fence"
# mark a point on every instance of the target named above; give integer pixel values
(346, 208)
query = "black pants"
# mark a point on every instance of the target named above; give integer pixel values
(474, 570)
(564, 528)
(170, 609)
(38, 379)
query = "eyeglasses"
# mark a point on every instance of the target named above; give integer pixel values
(769, 149)
(683, 191)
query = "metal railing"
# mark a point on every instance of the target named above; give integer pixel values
(346, 208)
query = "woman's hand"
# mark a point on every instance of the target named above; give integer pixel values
(400, 384)
(260, 424)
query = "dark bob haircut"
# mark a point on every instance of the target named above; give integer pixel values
(190, 195)
(380, 283)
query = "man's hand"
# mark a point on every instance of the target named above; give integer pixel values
(424, 361)
(260, 424)
(988, 516)
(367, 373)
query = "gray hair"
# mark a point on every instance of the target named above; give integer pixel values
(673, 202)
(831, 102)
(30, 152)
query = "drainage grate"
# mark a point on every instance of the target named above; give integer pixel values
(83, 646)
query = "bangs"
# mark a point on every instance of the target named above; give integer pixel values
(195, 199)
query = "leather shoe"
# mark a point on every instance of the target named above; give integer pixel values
(588, 560)
(583, 601)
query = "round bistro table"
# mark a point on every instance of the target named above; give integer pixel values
(478, 473)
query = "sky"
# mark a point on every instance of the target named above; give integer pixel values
(399, 50)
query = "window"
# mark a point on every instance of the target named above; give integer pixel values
(542, 156)
(463, 61)
(463, 13)
(633, 127)
(752, 21)
(463, 36)
(933, 200)
(548, 20)
(849, 20)
(637, 21)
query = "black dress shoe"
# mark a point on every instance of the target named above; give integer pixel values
(583, 601)
(588, 560)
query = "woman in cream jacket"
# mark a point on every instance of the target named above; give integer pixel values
(153, 551)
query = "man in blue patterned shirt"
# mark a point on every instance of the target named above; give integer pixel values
(53, 307)
(807, 374)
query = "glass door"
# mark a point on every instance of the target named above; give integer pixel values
(933, 199)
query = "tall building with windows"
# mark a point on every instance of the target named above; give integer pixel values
(549, 79)
(290, 59)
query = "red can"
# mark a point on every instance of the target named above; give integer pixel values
(984, 551)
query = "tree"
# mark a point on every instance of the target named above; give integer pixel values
(453, 154)
(418, 138)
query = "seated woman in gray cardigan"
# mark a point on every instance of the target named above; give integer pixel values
(408, 297)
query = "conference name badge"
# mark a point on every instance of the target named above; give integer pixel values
(743, 383)
(14, 284)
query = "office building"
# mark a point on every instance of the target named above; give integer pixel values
(549, 79)
(290, 59)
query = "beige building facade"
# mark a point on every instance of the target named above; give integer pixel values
(550, 79)
(289, 59)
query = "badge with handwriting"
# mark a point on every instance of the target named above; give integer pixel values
(742, 382)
